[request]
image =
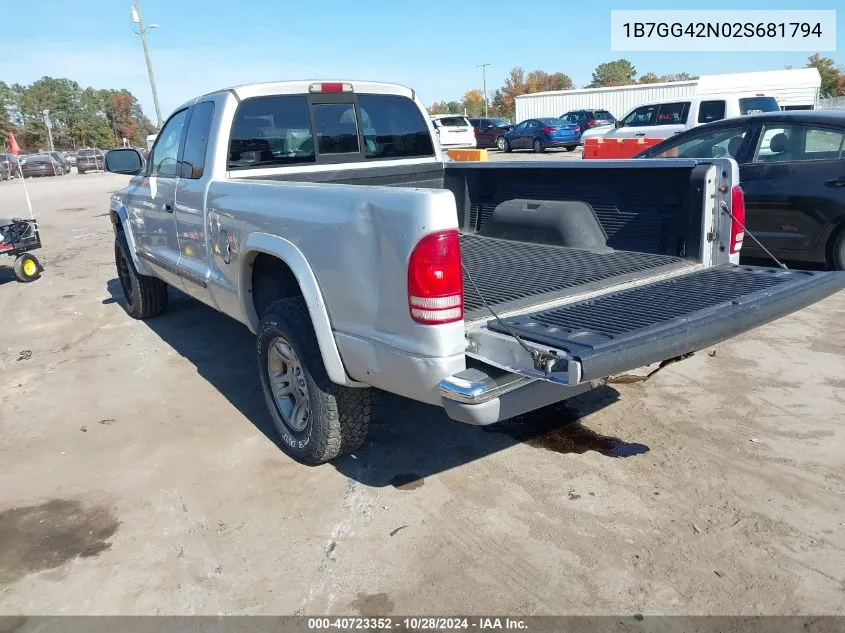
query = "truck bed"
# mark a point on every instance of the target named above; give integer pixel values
(513, 275)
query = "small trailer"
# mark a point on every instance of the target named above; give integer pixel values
(17, 238)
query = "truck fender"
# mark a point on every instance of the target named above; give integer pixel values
(119, 215)
(287, 252)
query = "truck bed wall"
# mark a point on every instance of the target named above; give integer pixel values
(654, 210)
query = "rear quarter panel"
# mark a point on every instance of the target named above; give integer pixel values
(355, 240)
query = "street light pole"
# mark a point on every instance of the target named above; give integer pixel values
(138, 19)
(49, 127)
(483, 68)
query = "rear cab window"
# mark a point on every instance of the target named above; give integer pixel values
(757, 105)
(287, 130)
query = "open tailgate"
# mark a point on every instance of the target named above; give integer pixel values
(633, 327)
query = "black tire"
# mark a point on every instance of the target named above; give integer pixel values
(837, 254)
(338, 418)
(500, 143)
(144, 296)
(571, 148)
(27, 268)
(538, 146)
(508, 147)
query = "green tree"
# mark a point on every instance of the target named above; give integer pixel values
(620, 72)
(833, 76)
(650, 78)
(473, 102)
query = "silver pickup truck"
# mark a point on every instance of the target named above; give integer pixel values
(323, 216)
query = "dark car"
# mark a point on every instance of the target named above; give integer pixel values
(541, 134)
(90, 160)
(40, 165)
(9, 164)
(792, 170)
(589, 119)
(62, 160)
(490, 132)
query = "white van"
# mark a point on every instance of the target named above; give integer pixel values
(454, 130)
(663, 119)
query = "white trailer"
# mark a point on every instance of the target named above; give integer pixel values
(794, 89)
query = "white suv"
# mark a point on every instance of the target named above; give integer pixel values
(454, 130)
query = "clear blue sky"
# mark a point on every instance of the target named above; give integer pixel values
(209, 44)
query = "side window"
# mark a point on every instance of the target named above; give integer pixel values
(336, 128)
(642, 116)
(673, 113)
(721, 143)
(271, 132)
(711, 111)
(393, 126)
(163, 160)
(196, 140)
(822, 144)
(533, 124)
(521, 126)
(776, 144)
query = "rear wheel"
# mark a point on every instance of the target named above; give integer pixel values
(27, 268)
(538, 146)
(316, 419)
(144, 296)
(500, 143)
(571, 148)
(838, 253)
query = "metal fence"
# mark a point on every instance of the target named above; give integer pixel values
(835, 103)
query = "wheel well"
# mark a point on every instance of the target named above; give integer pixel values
(115, 220)
(272, 279)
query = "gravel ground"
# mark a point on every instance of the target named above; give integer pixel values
(140, 476)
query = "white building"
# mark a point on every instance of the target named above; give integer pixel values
(794, 89)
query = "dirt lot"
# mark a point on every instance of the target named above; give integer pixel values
(139, 475)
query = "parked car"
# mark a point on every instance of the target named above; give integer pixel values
(490, 132)
(541, 134)
(71, 157)
(11, 164)
(62, 160)
(792, 169)
(453, 130)
(89, 160)
(589, 119)
(40, 165)
(5, 171)
(664, 119)
(356, 287)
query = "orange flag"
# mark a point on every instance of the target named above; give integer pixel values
(14, 148)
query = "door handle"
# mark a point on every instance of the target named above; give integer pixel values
(836, 182)
(168, 206)
(640, 134)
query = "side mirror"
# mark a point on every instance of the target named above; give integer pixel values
(125, 161)
(618, 124)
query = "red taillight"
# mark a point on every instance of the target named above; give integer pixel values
(330, 87)
(738, 219)
(549, 130)
(435, 279)
(592, 122)
(577, 129)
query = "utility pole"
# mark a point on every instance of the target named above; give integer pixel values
(49, 127)
(138, 19)
(483, 68)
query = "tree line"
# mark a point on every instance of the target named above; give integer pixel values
(79, 117)
(620, 72)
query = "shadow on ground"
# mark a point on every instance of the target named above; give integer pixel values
(408, 441)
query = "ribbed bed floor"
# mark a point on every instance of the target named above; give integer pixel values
(512, 275)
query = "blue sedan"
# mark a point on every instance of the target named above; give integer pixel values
(540, 134)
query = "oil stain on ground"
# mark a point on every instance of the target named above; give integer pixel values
(560, 431)
(45, 536)
(372, 604)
